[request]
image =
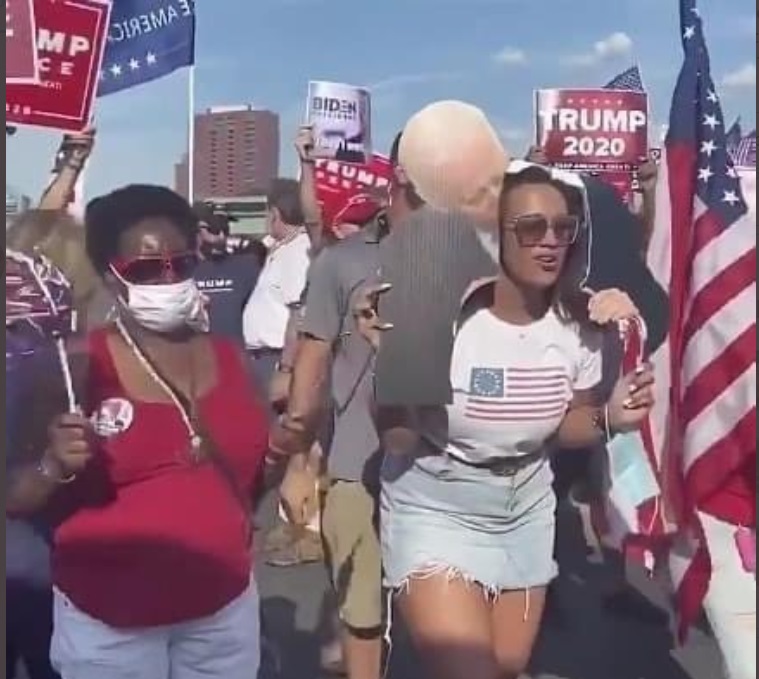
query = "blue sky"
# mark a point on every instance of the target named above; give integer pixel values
(493, 53)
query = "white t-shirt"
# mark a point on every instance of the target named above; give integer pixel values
(280, 285)
(512, 385)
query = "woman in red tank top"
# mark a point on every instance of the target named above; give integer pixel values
(152, 558)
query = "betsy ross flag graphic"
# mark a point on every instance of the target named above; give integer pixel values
(517, 394)
(627, 81)
(703, 250)
(147, 40)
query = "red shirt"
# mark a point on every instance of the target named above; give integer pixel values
(154, 538)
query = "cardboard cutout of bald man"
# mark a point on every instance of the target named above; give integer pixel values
(455, 161)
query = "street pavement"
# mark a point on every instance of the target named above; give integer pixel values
(584, 643)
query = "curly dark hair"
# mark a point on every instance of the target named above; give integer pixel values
(107, 218)
(569, 301)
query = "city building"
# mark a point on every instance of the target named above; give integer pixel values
(15, 204)
(236, 153)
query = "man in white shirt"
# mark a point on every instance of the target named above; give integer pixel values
(281, 282)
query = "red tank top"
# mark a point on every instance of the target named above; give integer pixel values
(153, 538)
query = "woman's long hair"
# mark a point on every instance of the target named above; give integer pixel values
(60, 238)
(568, 299)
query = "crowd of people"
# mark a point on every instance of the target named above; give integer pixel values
(208, 368)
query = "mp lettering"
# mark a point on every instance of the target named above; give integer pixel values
(60, 43)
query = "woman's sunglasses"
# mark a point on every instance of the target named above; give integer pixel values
(531, 230)
(157, 268)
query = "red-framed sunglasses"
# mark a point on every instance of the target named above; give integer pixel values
(157, 268)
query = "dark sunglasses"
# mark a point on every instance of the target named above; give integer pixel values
(157, 268)
(531, 230)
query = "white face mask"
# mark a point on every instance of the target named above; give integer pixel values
(166, 308)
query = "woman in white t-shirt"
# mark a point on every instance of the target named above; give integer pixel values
(468, 518)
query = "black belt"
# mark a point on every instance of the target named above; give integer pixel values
(500, 466)
(263, 351)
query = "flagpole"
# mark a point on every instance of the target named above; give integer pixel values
(191, 133)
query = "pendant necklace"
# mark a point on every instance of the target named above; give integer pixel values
(197, 446)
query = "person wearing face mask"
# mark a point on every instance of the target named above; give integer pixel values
(150, 481)
(225, 276)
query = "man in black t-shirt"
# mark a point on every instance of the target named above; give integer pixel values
(227, 273)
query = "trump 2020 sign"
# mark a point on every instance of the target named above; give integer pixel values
(592, 129)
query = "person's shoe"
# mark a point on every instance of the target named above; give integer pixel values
(630, 604)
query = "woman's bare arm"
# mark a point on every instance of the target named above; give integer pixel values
(583, 425)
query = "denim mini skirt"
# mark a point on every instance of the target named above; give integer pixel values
(442, 516)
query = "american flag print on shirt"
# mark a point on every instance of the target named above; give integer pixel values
(517, 394)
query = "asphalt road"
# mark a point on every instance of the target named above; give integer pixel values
(584, 644)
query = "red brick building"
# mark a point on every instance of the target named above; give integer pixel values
(236, 153)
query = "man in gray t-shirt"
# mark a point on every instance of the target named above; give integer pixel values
(333, 353)
(336, 276)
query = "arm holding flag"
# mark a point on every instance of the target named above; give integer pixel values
(616, 261)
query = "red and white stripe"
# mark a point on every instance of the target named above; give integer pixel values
(704, 425)
(638, 530)
(530, 395)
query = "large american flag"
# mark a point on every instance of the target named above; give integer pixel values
(703, 251)
(517, 394)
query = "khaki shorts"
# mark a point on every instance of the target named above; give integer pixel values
(353, 554)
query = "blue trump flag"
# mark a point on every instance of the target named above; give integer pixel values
(147, 39)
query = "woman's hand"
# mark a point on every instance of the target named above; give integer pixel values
(69, 450)
(299, 491)
(369, 325)
(610, 306)
(304, 144)
(631, 401)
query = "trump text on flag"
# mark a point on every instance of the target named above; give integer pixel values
(21, 64)
(592, 129)
(69, 41)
